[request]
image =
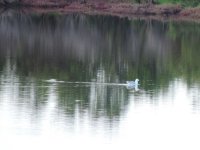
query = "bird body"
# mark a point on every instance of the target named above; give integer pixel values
(132, 84)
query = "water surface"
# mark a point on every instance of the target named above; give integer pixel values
(90, 107)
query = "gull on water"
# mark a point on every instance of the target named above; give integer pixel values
(132, 84)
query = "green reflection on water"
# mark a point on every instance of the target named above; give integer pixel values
(94, 48)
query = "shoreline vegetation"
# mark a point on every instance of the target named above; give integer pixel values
(102, 7)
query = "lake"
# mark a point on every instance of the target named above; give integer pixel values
(62, 83)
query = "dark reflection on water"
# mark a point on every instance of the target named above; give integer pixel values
(89, 50)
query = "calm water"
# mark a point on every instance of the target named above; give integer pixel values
(90, 108)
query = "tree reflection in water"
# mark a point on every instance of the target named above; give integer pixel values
(81, 48)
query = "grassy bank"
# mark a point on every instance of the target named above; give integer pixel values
(172, 9)
(185, 3)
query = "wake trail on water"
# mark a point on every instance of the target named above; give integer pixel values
(96, 83)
